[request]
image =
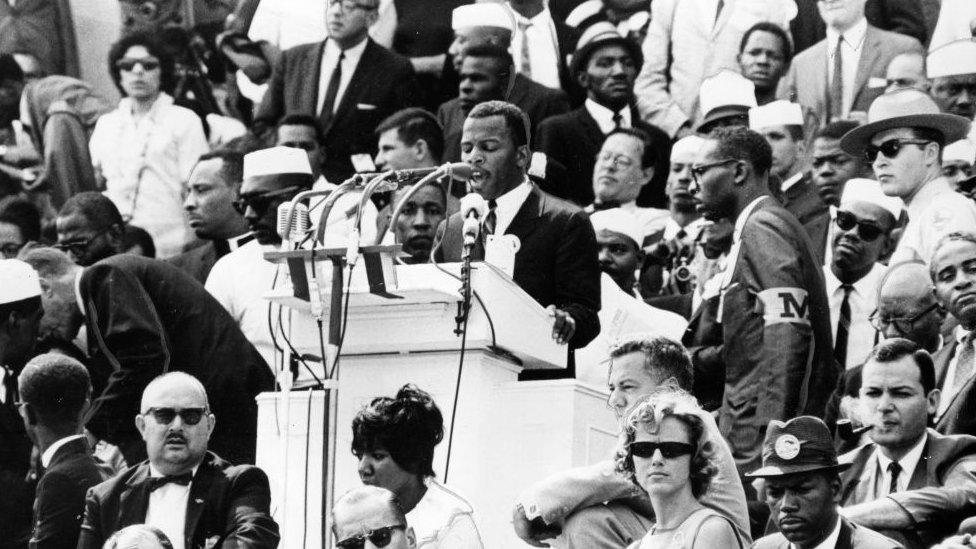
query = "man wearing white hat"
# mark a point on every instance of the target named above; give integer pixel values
(957, 161)
(952, 69)
(864, 222)
(725, 99)
(904, 140)
(781, 123)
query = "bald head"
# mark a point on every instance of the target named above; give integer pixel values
(907, 71)
(371, 508)
(907, 306)
(174, 382)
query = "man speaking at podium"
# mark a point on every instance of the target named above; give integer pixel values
(556, 254)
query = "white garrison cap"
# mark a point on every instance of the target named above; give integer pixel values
(686, 148)
(960, 151)
(724, 89)
(777, 113)
(618, 221)
(954, 58)
(482, 14)
(868, 190)
(18, 281)
(275, 161)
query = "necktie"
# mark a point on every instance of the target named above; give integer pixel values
(328, 105)
(492, 218)
(156, 483)
(843, 324)
(964, 362)
(525, 66)
(718, 10)
(837, 84)
(9, 387)
(894, 469)
(618, 119)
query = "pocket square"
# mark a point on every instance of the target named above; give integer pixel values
(365, 107)
(876, 82)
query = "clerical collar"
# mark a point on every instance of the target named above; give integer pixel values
(238, 241)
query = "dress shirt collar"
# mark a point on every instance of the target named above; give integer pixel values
(48, 454)
(740, 221)
(154, 473)
(508, 204)
(671, 229)
(831, 541)
(960, 334)
(604, 116)
(541, 18)
(81, 304)
(866, 287)
(792, 180)
(908, 462)
(853, 36)
(353, 54)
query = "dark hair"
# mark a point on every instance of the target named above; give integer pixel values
(664, 357)
(22, 308)
(836, 129)
(743, 144)
(303, 119)
(245, 144)
(10, 69)
(955, 236)
(414, 124)
(493, 51)
(795, 131)
(515, 119)
(408, 426)
(772, 28)
(23, 214)
(56, 386)
(890, 350)
(231, 165)
(649, 155)
(930, 134)
(137, 236)
(97, 209)
(167, 79)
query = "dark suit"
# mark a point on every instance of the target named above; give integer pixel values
(383, 83)
(146, 317)
(16, 493)
(960, 417)
(851, 536)
(536, 100)
(574, 139)
(227, 503)
(60, 502)
(198, 261)
(803, 201)
(940, 493)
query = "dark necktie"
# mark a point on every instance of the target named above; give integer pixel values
(491, 219)
(328, 105)
(843, 325)
(837, 84)
(618, 119)
(718, 10)
(894, 469)
(156, 483)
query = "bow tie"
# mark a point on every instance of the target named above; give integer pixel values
(158, 482)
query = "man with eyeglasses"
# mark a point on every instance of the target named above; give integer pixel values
(189, 493)
(370, 514)
(89, 228)
(904, 141)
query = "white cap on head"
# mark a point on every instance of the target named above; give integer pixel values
(868, 190)
(777, 113)
(960, 151)
(724, 89)
(686, 148)
(619, 221)
(20, 281)
(276, 160)
(954, 58)
(482, 14)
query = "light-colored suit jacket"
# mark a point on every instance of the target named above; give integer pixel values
(685, 45)
(806, 81)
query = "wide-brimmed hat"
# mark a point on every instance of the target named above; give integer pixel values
(597, 36)
(800, 445)
(907, 108)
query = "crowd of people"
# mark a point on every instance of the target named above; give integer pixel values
(752, 222)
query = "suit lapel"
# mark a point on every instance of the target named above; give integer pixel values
(920, 475)
(358, 82)
(196, 503)
(857, 479)
(870, 50)
(523, 222)
(134, 499)
(723, 17)
(943, 358)
(591, 130)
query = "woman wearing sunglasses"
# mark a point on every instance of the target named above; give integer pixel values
(666, 452)
(394, 440)
(144, 150)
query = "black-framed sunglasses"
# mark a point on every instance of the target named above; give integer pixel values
(127, 63)
(669, 450)
(890, 148)
(904, 325)
(866, 230)
(697, 172)
(259, 202)
(79, 246)
(165, 416)
(380, 537)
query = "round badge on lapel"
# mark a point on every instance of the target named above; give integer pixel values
(787, 447)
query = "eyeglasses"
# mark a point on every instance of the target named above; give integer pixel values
(380, 537)
(165, 416)
(259, 202)
(345, 6)
(904, 325)
(618, 160)
(890, 148)
(669, 450)
(698, 172)
(10, 250)
(866, 230)
(79, 246)
(835, 159)
(953, 170)
(127, 63)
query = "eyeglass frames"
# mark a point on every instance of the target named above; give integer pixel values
(890, 148)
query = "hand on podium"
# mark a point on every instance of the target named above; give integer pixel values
(564, 326)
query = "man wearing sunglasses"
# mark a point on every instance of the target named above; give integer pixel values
(904, 141)
(189, 493)
(370, 517)
(90, 228)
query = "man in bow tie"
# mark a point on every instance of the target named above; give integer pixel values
(193, 496)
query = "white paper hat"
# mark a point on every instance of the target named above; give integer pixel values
(777, 113)
(960, 151)
(618, 221)
(276, 161)
(868, 190)
(18, 281)
(958, 57)
(482, 14)
(727, 88)
(686, 148)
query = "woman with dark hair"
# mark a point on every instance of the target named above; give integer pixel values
(668, 454)
(394, 440)
(144, 150)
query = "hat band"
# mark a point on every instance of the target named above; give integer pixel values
(292, 179)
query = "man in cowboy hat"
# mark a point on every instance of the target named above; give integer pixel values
(903, 140)
(799, 465)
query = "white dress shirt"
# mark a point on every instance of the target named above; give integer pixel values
(604, 116)
(831, 541)
(329, 58)
(908, 462)
(850, 55)
(651, 220)
(167, 508)
(692, 230)
(948, 389)
(508, 204)
(543, 48)
(790, 181)
(53, 449)
(863, 301)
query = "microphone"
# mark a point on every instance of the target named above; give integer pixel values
(473, 208)
(293, 228)
(460, 171)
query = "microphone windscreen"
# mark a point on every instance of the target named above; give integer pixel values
(301, 223)
(471, 228)
(282, 225)
(473, 203)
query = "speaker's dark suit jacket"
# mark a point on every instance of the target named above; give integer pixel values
(803, 201)
(851, 536)
(574, 139)
(383, 83)
(941, 492)
(960, 417)
(60, 502)
(146, 317)
(556, 264)
(228, 505)
(16, 492)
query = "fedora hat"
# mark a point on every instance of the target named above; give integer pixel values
(597, 36)
(800, 445)
(908, 108)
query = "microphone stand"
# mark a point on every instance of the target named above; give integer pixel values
(464, 306)
(429, 178)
